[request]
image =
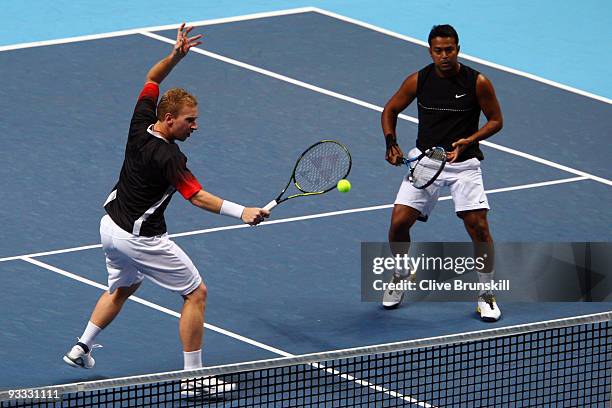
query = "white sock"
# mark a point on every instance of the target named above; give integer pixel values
(89, 335)
(485, 278)
(403, 273)
(192, 359)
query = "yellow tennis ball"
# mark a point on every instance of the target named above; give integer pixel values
(344, 186)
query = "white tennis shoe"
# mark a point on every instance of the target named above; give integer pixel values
(77, 357)
(392, 298)
(212, 386)
(487, 308)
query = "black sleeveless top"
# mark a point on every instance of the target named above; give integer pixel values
(448, 110)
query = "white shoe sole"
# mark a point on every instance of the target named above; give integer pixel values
(73, 364)
(395, 304)
(392, 305)
(488, 319)
(217, 390)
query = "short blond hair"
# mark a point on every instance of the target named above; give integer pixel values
(173, 100)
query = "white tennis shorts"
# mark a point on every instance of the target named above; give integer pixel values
(130, 258)
(464, 180)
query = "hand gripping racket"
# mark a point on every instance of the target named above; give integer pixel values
(317, 170)
(427, 168)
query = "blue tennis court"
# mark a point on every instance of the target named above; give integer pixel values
(268, 87)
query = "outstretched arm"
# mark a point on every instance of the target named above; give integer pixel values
(182, 46)
(212, 203)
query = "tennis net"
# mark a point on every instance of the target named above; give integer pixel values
(557, 363)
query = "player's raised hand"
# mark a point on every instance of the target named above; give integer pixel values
(183, 42)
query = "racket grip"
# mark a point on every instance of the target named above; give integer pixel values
(270, 205)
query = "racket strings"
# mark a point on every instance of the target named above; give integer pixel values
(422, 174)
(428, 167)
(321, 167)
(437, 155)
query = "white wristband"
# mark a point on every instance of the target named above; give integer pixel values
(231, 209)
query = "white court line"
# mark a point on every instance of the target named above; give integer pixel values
(466, 56)
(373, 107)
(298, 11)
(265, 72)
(155, 28)
(228, 333)
(152, 305)
(293, 219)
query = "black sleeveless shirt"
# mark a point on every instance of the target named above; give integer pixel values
(448, 110)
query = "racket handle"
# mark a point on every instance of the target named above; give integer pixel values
(270, 205)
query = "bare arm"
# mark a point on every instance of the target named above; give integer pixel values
(485, 93)
(398, 102)
(212, 203)
(206, 201)
(183, 43)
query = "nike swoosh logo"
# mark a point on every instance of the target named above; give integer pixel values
(459, 96)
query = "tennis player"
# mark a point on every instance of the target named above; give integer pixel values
(450, 97)
(133, 231)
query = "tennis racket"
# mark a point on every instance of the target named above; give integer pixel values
(426, 167)
(317, 171)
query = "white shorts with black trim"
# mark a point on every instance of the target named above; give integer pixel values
(464, 180)
(130, 258)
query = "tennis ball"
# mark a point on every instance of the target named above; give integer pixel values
(344, 186)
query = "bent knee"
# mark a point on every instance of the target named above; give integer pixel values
(399, 232)
(198, 295)
(402, 219)
(479, 230)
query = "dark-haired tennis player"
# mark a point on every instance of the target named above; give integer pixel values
(450, 97)
(133, 232)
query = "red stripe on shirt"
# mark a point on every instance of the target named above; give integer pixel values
(188, 186)
(149, 91)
